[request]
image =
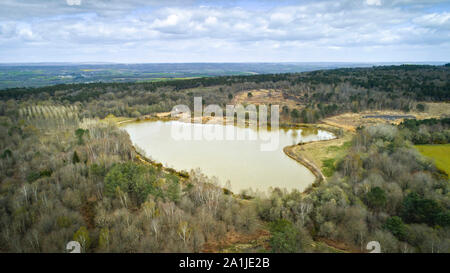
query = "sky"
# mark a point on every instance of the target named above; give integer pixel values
(165, 31)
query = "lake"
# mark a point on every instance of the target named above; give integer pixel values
(239, 161)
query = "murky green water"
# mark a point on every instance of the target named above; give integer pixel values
(240, 161)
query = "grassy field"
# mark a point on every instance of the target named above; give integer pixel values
(117, 120)
(324, 154)
(439, 152)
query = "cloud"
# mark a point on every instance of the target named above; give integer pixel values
(434, 20)
(148, 31)
(373, 2)
(73, 2)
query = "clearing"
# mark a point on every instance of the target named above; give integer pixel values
(264, 96)
(350, 121)
(439, 152)
(323, 154)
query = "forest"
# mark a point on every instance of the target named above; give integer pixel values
(66, 174)
(324, 92)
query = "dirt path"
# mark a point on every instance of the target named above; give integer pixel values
(312, 154)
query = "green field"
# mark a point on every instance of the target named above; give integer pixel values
(439, 152)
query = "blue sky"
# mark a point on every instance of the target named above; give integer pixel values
(139, 31)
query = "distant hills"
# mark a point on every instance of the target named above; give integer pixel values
(44, 74)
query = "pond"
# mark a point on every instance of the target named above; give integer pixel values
(241, 161)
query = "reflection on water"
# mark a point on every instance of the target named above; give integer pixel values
(309, 131)
(240, 161)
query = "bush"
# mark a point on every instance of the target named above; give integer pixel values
(285, 237)
(79, 133)
(295, 114)
(7, 153)
(132, 178)
(376, 198)
(33, 176)
(75, 158)
(420, 107)
(416, 209)
(82, 237)
(328, 167)
(396, 226)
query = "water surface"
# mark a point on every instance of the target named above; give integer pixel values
(241, 162)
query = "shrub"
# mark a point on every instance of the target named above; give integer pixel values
(285, 237)
(75, 158)
(82, 237)
(328, 167)
(376, 198)
(396, 226)
(79, 133)
(416, 209)
(420, 107)
(132, 178)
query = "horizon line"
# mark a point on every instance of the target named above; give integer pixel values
(252, 62)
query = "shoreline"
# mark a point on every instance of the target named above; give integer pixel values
(287, 150)
(320, 177)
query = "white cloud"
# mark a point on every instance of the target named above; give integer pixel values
(211, 20)
(434, 20)
(73, 2)
(373, 2)
(171, 20)
(215, 31)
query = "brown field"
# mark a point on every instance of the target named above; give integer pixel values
(436, 109)
(350, 121)
(264, 96)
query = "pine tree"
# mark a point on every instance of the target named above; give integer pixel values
(75, 158)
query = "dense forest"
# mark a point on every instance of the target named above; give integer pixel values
(322, 93)
(383, 190)
(66, 179)
(67, 175)
(428, 131)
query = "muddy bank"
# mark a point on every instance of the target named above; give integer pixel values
(309, 165)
